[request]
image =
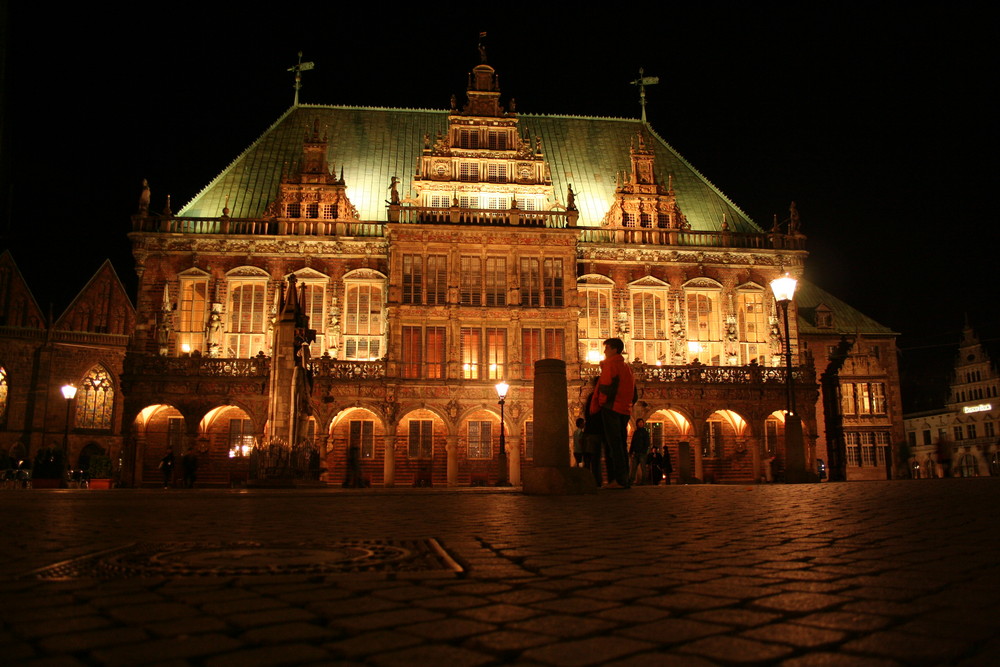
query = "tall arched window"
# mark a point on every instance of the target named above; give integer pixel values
(753, 326)
(595, 316)
(247, 312)
(704, 322)
(193, 311)
(363, 318)
(95, 400)
(649, 321)
(3, 393)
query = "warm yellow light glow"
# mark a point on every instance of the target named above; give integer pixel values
(68, 392)
(594, 357)
(982, 407)
(784, 287)
(502, 389)
(694, 346)
(185, 348)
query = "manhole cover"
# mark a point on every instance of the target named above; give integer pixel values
(145, 559)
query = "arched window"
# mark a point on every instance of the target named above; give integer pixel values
(247, 312)
(704, 325)
(95, 400)
(595, 316)
(753, 325)
(363, 317)
(3, 393)
(193, 311)
(649, 321)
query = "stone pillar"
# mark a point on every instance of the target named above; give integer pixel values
(795, 451)
(551, 473)
(753, 443)
(451, 447)
(389, 460)
(514, 459)
(699, 466)
(683, 468)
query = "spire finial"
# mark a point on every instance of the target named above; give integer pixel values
(642, 82)
(299, 69)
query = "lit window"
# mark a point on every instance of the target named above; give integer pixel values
(649, 327)
(704, 328)
(95, 400)
(314, 305)
(312, 210)
(247, 318)
(241, 438)
(3, 393)
(496, 173)
(471, 342)
(753, 328)
(363, 321)
(468, 171)
(480, 440)
(193, 314)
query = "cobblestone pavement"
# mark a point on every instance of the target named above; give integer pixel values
(893, 573)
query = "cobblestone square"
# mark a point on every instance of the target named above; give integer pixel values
(877, 573)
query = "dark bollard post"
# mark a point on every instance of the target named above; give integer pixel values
(551, 473)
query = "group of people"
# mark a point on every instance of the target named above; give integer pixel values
(604, 428)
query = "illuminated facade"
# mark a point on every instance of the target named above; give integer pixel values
(357, 281)
(961, 439)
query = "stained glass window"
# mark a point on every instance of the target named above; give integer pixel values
(95, 400)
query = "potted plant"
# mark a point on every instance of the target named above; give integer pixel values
(49, 469)
(99, 472)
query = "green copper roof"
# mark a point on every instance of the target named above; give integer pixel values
(373, 145)
(846, 320)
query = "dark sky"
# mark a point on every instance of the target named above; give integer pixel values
(877, 119)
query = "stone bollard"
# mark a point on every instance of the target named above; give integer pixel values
(551, 473)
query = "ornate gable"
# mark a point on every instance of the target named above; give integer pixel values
(102, 306)
(18, 307)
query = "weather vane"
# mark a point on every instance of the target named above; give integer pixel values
(642, 82)
(303, 67)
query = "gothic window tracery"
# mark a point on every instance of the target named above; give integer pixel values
(95, 400)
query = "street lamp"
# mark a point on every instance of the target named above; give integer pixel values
(784, 291)
(502, 389)
(69, 393)
(795, 455)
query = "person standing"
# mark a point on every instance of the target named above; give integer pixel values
(655, 461)
(578, 447)
(167, 467)
(613, 401)
(638, 452)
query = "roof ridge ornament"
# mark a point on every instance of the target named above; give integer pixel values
(299, 69)
(642, 82)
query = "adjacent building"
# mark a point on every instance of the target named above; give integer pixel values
(960, 439)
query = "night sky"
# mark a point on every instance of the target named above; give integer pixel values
(879, 122)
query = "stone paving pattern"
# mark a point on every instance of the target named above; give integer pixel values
(867, 574)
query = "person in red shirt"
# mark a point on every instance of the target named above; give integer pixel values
(613, 401)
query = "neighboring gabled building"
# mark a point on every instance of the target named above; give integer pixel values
(84, 347)
(860, 415)
(960, 439)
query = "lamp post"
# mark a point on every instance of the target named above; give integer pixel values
(69, 393)
(502, 389)
(795, 458)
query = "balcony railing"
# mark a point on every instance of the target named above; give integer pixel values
(194, 366)
(482, 216)
(687, 237)
(708, 374)
(257, 367)
(257, 226)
